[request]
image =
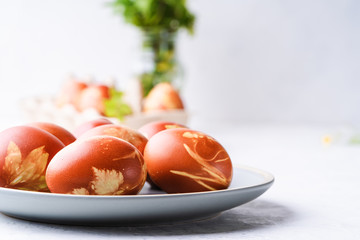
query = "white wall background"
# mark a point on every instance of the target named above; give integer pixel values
(273, 61)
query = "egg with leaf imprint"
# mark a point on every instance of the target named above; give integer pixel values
(99, 165)
(25, 152)
(120, 131)
(183, 160)
(151, 128)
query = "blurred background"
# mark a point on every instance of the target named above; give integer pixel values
(249, 61)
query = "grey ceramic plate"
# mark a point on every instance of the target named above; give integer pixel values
(149, 207)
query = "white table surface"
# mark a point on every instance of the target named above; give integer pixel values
(316, 194)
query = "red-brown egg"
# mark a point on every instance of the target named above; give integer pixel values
(70, 92)
(93, 97)
(25, 152)
(125, 133)
(61, 133)
(183, 160)
(150, 129)
(162, 97)
(100, 165)
(79, 130)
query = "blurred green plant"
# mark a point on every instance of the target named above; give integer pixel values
(169, 15)
(355, 139)
(115, 106)
(159, 21)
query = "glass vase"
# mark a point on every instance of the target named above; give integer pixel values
(159, 62)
